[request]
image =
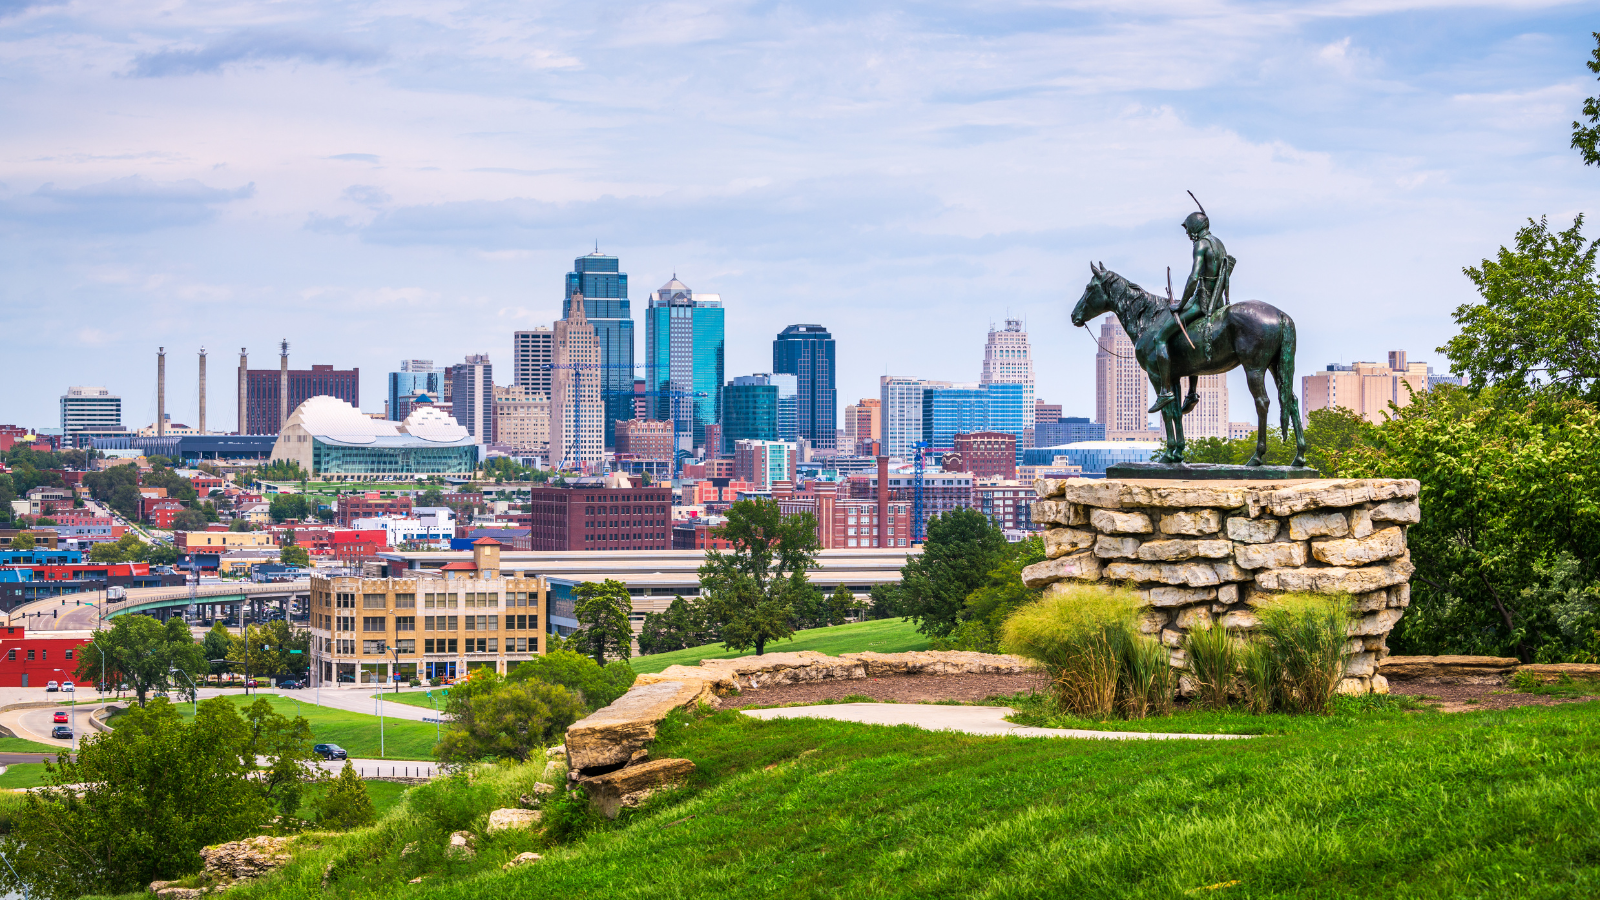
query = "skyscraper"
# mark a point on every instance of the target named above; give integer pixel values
(472, 396)
(749, 411)
(531, 358)
(1121, 390)
(806, 352)
(417, 379)
(901, 412)
(269, 392)
(684, 360)
(598, 279)
(971, 408)
(1008, 359)
(1210, 418)
(577, 413)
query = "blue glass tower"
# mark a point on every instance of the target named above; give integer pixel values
(806, 352)
(605, 302)
(684, 361)
(949, 411)
(410, 385)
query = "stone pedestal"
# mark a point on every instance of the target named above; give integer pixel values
(1204, 551)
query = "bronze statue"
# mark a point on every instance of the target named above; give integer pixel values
(1203, 334)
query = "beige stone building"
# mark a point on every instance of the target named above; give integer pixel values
(522, 418)
(863, 424)
(1210, 418)
(577, 415)
(439, 623)
(1365, 388)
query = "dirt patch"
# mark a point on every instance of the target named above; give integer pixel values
(891, 689)
(1467, 697)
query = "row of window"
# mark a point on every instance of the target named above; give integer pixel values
(11, 655)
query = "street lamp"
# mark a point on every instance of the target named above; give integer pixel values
(194, 695)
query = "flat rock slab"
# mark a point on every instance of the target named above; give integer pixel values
(1209, 471)
(1445, 668)
(981, 720)
(609, 737)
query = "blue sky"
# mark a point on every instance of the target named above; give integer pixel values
(412, 179)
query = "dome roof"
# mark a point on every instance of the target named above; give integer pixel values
(326, 416)
(432, 424)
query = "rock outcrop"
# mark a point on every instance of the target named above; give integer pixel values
(246, 859)
(1450, 669)
(503, 819)
(625, 788)
(607, 738)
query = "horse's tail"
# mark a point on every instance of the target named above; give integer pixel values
(1283, 374)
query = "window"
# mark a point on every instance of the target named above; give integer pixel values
(409, 645)
(30, 656)
(69, 654)
(372, 648)
(374, 601)
(405, 601)
(439, 645)
(345, 623)
(374, 623)
(345, 601)
(447, 623)
(11, 655)
(405, 623)
(347, 646)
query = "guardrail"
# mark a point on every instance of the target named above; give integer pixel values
(176, 596)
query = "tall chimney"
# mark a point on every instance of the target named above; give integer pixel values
(883, 501)
(283, 385)
(244, 396)
(161, 392)
(202, 390)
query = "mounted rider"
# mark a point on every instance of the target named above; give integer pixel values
(1204, 293)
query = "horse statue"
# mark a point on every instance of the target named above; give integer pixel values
(1255, 335)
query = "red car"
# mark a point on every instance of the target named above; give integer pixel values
(59, 717)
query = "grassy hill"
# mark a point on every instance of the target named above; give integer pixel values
(882, 635)
(1375, 801)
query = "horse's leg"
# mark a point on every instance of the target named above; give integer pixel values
(1172, 425)
(1288, 406)
(1193, 400)
(1176, 418)
(1257, 379)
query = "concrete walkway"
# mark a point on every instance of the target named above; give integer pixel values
(984, 720)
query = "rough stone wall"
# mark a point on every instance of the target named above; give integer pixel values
(1210, 551)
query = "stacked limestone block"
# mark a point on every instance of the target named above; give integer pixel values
(1211, 551)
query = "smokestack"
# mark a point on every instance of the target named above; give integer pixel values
(161, 392)
(202, 390)
(283, 385)
(244, 397)
(883, 501)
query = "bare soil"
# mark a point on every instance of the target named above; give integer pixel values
(892, 689)
(1467, 697)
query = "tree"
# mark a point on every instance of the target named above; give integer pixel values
(885, 602)
(963, 546)
(127, 548)
(595, 686)
(22, 540)
(140, 652)
(161, 554)
(750, 592)
(270, 649)
(603, 610)
(682, 625)
(209, 510)
(1538, 326)
(346, 804)
(992, 602)
(289, 506)
(137, 804)
(189, 520)
(125, 500)
(1586, 139)
(241, 525)
(496, 719)
(284, 746)
(841, 603)
(430, 497)
(294, 555)
(215, 645)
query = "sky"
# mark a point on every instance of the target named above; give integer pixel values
(386, 181)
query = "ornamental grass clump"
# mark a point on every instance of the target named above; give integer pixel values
(1149, 681)
(1306, 636)
(1081, 634)
(1214, 662)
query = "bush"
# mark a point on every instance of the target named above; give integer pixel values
(1081, 634)
(596, 686)
(1213, 660)
(1306, 636)
(1524, 682)
(346, 804)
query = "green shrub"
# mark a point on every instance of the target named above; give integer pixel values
(1149, 680)
(974, 634)
(1306, 634)
(1262, 676)
(452, 804)
(1525, 682)
(1214, 662)
(346, 804)
(1081, 634)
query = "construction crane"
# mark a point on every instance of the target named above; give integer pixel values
(917, 526)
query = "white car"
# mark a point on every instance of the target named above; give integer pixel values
(53, 686)
(68, 687)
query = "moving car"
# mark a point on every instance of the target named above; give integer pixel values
(61, 733)
(330, 751)
(53, 686)
(59, 717)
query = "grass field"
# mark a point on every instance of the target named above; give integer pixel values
(357, 733)
(881, 635)
(22, 775)
(418, 698)
(23, 745)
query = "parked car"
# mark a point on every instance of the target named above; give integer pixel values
(59, 717)
(330, 751)
(61, 733)
(68, 687)
(53, 686)
(293, 685)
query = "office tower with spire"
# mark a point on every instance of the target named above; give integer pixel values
(599, 280)
(684, 361)
(1121, 390)
(806, 352)
(1008, 359)
(577, 413)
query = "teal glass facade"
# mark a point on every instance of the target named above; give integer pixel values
(684, 362)
(413, 457)
(806, 352)
(947, 412)
(749, 412)
(605, 302)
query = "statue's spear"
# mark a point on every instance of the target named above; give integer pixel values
(1170, 302)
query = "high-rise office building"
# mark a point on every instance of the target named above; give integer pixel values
(1008, 359)
(1364, 388)
(265, 396)
(684, 360)
(531, 357)
(599, 280)
(90, 409)
(472, 396)
(761, 463)
(416, 382)
(1210, 418)
(806, 352)
(971, 408)
(522, 418)
(749, 411)
(577, 413)
(900, 409)
(1121, 389)
(863, 425)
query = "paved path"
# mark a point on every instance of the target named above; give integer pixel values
(985, 720)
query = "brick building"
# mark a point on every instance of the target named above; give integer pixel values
(265, 407)
(1007, 503)
(941, 491)
(644, 438)
(33, 660)
(596, 513)
(984, 454)
(371, 504)
(699, 534)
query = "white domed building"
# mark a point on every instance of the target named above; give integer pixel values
(337, 442)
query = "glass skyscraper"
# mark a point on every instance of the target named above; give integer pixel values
(749, 411)
(806, 352)
(416, 380)
(684, 361)
(963, 409)
(605, 304)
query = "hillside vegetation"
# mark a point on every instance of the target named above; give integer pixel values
(880, 635)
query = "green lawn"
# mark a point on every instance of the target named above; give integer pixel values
(22, 775)
(881, 635)
(23, 745)
(418, 698)
(357, 733)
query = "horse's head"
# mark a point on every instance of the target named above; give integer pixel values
(1095, 299)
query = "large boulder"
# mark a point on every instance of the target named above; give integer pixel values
(608, 737)
(613, 792)
(503, 819)
(1457, 669)
(246, 859)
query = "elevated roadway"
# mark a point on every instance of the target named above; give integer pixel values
(86, 612)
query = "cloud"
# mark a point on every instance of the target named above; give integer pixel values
(367, 195)
(355, 157)
(131, 204)
(251, 46)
